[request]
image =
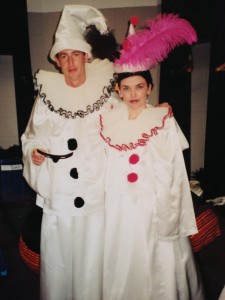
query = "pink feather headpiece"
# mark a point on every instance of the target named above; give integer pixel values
(147, 48)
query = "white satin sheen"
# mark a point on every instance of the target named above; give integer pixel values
(147, 250)
(71, 237)
(72, 257)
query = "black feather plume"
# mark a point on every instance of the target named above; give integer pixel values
(103, 45)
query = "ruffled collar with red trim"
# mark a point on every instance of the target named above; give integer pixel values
(123, 134)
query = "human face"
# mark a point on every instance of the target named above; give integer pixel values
(134, 91)
(72, 64)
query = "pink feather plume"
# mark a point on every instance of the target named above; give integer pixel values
(150, 46)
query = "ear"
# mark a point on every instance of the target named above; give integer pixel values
(86, 58)
(119, 92)
(149, 89)
(57, 62)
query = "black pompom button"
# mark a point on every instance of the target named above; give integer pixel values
(79, 202)
(74, 173)
(72, 144)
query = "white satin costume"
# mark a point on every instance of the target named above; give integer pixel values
(149, 211)
(65, 121)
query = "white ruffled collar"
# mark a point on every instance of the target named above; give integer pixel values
(81, 101)
(123, 134)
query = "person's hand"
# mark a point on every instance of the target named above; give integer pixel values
(164, 104)
(37, 158)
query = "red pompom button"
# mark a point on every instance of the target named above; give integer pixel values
(132, 177)
(133, 159)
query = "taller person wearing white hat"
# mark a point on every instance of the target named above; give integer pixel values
(64, 159)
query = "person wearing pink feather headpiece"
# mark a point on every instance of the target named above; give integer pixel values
(149, 210)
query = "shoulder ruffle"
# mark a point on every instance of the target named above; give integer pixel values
(76, 102)
(123, 134)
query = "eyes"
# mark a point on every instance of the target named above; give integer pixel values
(63, 55)
(136, 88)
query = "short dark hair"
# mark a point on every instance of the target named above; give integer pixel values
(145, 74)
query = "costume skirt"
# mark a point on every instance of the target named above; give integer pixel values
(139, 266)
(72, 257)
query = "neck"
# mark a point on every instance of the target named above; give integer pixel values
(133, 114)
(75, 82)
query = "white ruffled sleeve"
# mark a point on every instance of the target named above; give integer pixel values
(175, 212)
(38, 128)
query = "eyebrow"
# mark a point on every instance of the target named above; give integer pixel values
(61, 53)
(127, 86)
(65, 53)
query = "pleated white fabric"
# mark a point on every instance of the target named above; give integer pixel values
(140, 266)
(72, 257)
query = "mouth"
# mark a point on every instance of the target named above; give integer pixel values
(134, 101)
(72, 70)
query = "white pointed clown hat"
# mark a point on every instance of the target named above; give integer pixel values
(72, 25)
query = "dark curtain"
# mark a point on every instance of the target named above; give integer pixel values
(15, 41)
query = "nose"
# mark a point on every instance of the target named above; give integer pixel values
(70, 60)
(133, 93)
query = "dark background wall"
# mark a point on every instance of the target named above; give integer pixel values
(14, 41)
(207, 17)
(215, 130)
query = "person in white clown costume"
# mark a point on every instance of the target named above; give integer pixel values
(149, 210)
(64, 158)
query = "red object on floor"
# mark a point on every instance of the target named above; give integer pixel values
(208, 230)
(30, 258)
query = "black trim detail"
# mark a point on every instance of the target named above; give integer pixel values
(107, 90)
(55, 158)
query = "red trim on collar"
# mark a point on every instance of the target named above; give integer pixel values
(142, 141)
